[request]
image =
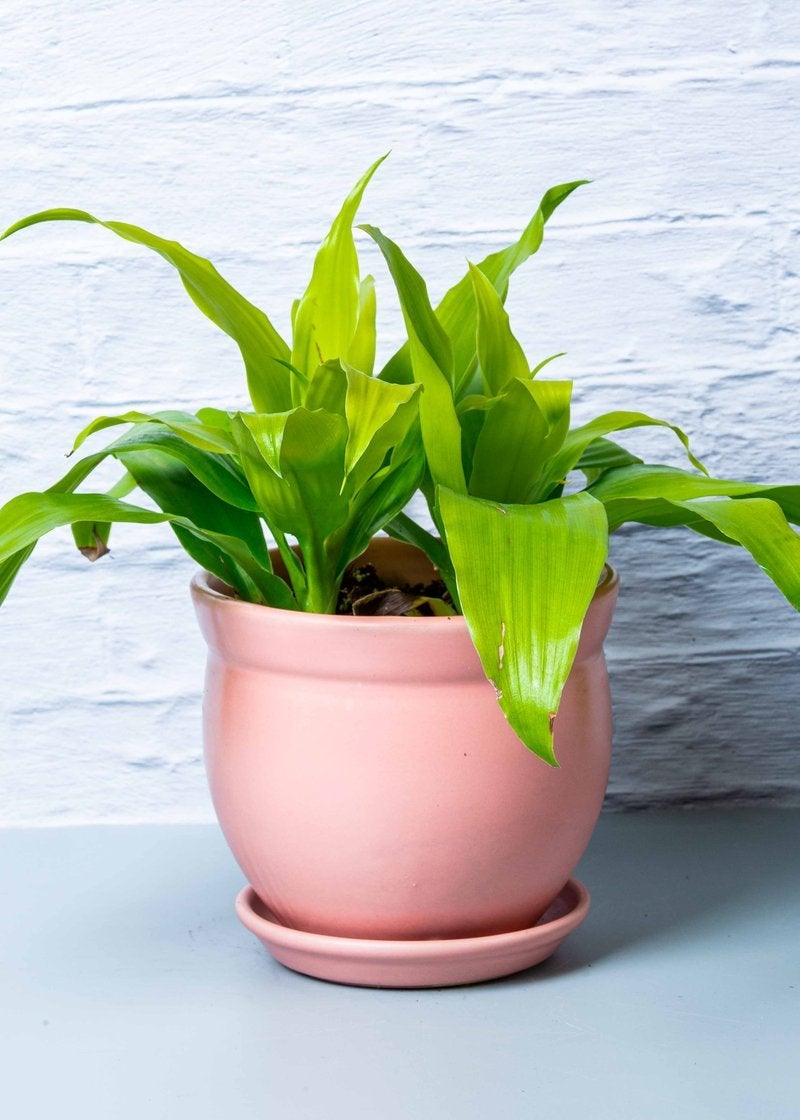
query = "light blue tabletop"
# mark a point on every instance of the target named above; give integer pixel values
(129, 990)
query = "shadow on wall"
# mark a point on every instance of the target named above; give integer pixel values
(703, 658)
(710, 731)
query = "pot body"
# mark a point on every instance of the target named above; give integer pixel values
(368, 783)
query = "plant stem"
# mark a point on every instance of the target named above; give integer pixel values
(322, 588)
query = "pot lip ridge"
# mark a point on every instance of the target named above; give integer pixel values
(209, 589)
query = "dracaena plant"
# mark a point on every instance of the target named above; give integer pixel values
(331, 454)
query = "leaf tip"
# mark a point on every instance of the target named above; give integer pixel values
(95, 551)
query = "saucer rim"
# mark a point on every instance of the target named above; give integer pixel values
(295, 939)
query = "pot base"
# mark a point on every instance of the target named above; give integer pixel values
(415, 964)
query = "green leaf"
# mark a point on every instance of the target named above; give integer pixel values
(577, 441)
(760, 526)
(546, 362)
(378, 502)
(419, 316)
(554, 399)
(327, 316)
(500, 356)
(91, 537)
(250, 328)
(327, 388)
(651, 495)
(197, 432)
(176, 491)
(266, 433)
(526, 576)
(302, 469)
(604, 455)
(457, 312)
(305, 499)
(431, 361)
(523, 429)
(221, 474)
(512, 446)
(9, 568)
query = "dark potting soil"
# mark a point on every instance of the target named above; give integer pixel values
(363, 592)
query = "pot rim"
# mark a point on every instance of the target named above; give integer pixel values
(208, 587)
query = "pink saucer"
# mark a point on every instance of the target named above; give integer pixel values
(415, 964)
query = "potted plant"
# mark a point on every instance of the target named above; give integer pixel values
(370, 698)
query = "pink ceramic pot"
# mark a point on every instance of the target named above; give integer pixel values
(366, 780)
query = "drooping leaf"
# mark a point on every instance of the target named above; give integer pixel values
(577, 441)
(9, 569)
(221, 474)
(247, 325)
(526, 575)
(199, 433)
(648, 494)
(176, 490)
(760, 526)
(29, 516)
(327, 316)
(92, 537)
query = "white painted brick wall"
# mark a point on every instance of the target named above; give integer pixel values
(672, 282)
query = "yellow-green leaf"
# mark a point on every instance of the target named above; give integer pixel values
(456, 311)
(500, 355)
(361, 353)
(250, 328)
(432, 365)
(327, 316)
(371, 406)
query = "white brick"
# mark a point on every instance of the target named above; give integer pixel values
(672, 282)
